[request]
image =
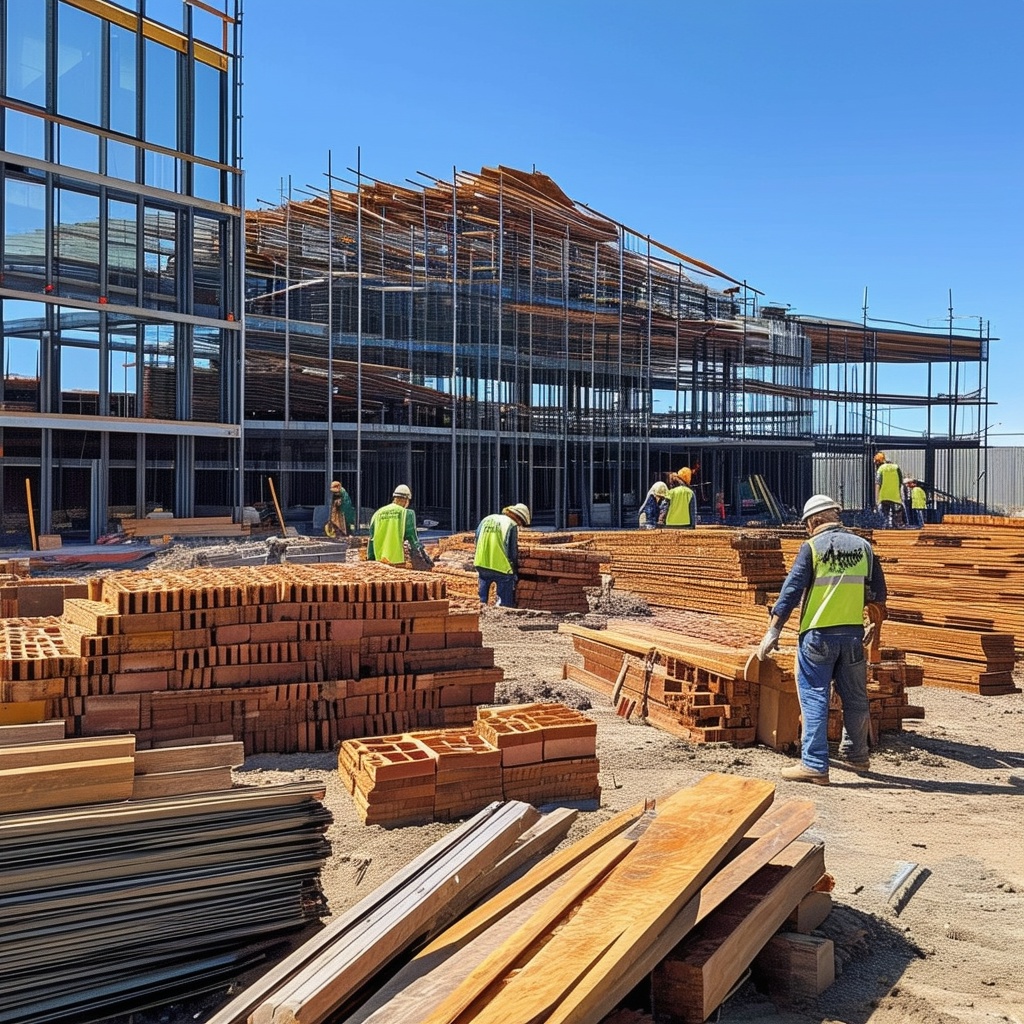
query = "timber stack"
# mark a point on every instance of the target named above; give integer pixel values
(540, 753)
(285, 658)
(706, 569)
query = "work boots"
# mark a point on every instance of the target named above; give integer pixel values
(799, 772)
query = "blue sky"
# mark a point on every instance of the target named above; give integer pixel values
(814, 148)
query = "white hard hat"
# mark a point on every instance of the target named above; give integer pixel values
(660, 488)
(816, 504)
(520, 511)
(402, 491)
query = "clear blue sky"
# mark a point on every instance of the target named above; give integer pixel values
(814, 148)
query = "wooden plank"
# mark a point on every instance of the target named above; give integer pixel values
(599, 993)
(78, 782)
(796, 966)
(691, 833)
(65, 751)
(189, 758)
(175, 783)
(32, 732)
(693, 985)
(810, 912)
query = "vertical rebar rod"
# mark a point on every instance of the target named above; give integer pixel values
(359, 333)
(330, 326)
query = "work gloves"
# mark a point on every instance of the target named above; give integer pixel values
(769, 643)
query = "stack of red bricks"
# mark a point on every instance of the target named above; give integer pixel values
(539, 753)
(285, 658)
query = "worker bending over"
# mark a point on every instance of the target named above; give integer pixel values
(497, 553)
(889, 490)
(342, 520)
(655, 507)
(391, 528)
(918, 503)
(834, 576)
(682, 502)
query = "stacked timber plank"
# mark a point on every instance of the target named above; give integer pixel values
(113, 907)
(705, 569)
(540, 753)
(325, 973)
(570, 939)
(553, 576)
(956, 600)
(205, 526)
(284, 657)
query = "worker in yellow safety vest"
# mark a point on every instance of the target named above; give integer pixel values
(888, 490)
(835, 575)
(918, 502)
(391, 528)
(682, 502)
(496, 558)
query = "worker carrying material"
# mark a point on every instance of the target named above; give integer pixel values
(889, 491)
(682, 503)
(655, 507)
(342, 519)
(391, 528)
(835, 575)
(497, 553)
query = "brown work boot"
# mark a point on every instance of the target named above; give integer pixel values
(853, 766)
(801, 773)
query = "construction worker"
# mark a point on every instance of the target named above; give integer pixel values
(342, 520)
(888, 490)
(497, 553)
(835, 575)
(391, 528)
(682, 502)
(918, 502)
(655, 507)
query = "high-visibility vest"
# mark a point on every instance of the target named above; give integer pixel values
(679, 499)
(387, 531)
(492, 545)
(842, 569)
(888, 477)
(918, 498)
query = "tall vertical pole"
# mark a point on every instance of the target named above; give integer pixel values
(616, 476)
(287, 304)
(359, 333)
(456, 516)
(496, 491)
(532, 423)
(330, 324)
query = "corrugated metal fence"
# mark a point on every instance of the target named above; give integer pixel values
(962, 478)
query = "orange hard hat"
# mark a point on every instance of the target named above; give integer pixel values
(880, 457)
(685, 474)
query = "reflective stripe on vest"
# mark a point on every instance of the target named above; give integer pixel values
(842, 567)
(889, 487)
(387, 528)
(679, 506)
(491, 550)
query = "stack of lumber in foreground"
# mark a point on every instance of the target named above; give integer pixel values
(709, 570)
(283, 657)
(206, 526)
(540, 753)
(108, 909)
(326, 972)
(40, 768)
(569, 940)
(553, 577)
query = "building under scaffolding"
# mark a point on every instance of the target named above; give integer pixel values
(491, 341)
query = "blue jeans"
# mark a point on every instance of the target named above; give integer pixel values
(825, 656)
(504, 583)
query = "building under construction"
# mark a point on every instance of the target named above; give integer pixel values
(493, 340)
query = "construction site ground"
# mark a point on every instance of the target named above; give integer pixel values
(942, 808)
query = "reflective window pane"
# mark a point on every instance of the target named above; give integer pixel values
(76, 148)
(123, 377)
(78, 64)
(158, 379)
(121, 160)
(24, 233)
(122, 257)
(161, 95)
(208, 130)
(76, 243)
(159, 258)
(122, 80)
(208, 266)
(26, 51)
(23, 327)
(25, 134)
(167, 12)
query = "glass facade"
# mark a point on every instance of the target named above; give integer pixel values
(121, 256)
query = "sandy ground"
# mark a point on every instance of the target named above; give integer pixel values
(946, 795)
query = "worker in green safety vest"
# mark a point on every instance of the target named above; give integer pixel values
(496, 558)
(682, 502)
(834, 577)
(889, 490)
(391, 528)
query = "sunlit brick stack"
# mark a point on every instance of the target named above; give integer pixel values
(285, 658)
(539, 753)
